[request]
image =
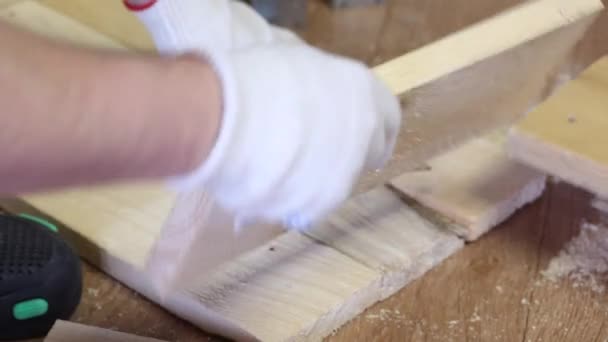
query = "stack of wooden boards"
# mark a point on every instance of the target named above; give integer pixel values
(179, 250)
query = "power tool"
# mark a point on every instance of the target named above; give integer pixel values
(40, 277)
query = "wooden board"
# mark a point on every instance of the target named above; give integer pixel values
(297, 288)
(208, 301)
(566, 135)
(476, 185)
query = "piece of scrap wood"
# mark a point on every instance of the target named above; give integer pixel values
(300, 287)
(65, 331)
(475, 185)
(566, 136)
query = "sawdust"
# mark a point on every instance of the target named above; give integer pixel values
(93, 291)
(584, 260)
(386, 315)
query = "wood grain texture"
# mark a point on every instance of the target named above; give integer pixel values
(475, 185)
(297, 288)
(493, 289)
(64, 331)
(566, 135)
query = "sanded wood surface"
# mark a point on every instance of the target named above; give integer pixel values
(426, 310)
(566, 135)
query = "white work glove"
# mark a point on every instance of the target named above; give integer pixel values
(299, 126)
(183, 25)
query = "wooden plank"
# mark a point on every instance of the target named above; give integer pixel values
(566, 135)
(64, 331)
(296, 288)
(431, 61)
(108, 17)
(476, 185)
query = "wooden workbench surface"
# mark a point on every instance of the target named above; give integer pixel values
(493, 289)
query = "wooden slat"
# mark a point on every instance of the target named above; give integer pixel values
(566, 135)
(297, 288)
(536, 19)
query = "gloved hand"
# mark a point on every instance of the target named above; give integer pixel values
(182, 25)
(299, 126)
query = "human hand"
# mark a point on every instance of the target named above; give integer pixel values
(299, 126)
(183, 25)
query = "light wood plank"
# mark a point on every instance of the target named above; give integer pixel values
(476, 185)
(535, 18)
(297, 288)
(123, 221)
(108, 17)
(566, 135)
(64, 331)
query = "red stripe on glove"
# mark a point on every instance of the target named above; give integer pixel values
(139, 7)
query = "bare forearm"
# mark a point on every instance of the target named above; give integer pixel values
(71, 116)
